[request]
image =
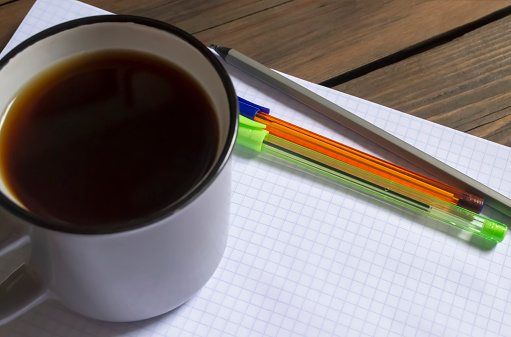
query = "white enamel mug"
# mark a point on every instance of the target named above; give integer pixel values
(142, 268)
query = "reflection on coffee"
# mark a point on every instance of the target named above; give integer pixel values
(107, 137)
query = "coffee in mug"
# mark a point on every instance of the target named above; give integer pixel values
(107, 137)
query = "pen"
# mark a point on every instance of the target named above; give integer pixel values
(359, 159)
(253, 135)
(439, 169)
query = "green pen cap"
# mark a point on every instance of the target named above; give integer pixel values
(251, 134)
(495, 229)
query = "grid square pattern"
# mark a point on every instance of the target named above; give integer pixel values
(308, 257)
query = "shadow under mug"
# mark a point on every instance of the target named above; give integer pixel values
(146, 267)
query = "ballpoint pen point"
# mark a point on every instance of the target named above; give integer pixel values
(222, 51)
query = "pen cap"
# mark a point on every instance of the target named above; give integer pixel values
(249, 109)
(496, 230)
(251, 134)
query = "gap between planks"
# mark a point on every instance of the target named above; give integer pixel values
(417, 48)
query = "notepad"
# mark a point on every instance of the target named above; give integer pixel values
(306, 256)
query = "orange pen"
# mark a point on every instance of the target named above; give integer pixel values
(363, 160)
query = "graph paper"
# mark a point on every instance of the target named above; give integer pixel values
(306, 257)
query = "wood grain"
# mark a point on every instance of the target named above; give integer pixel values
(318, 40)
(191, 15)
(187, 15)
(465, 84)
(11, 15)
(314, 40)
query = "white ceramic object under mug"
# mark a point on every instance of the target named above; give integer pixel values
(145, 268)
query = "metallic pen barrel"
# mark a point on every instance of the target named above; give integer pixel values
(369, 163)
(385, 190)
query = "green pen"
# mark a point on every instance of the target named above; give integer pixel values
(253, 135)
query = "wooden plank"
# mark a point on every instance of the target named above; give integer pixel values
(314, 40)
(192, 15)
(11, 15)
(317, 40)
(187, 15)
(465, 84)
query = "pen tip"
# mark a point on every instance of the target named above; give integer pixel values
(222, 51)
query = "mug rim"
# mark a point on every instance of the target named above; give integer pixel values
(152, 218)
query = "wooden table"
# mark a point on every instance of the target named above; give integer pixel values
(445, 61)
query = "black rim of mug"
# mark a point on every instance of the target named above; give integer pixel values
(198, 190)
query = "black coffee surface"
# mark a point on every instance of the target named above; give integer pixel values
(108, 137)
